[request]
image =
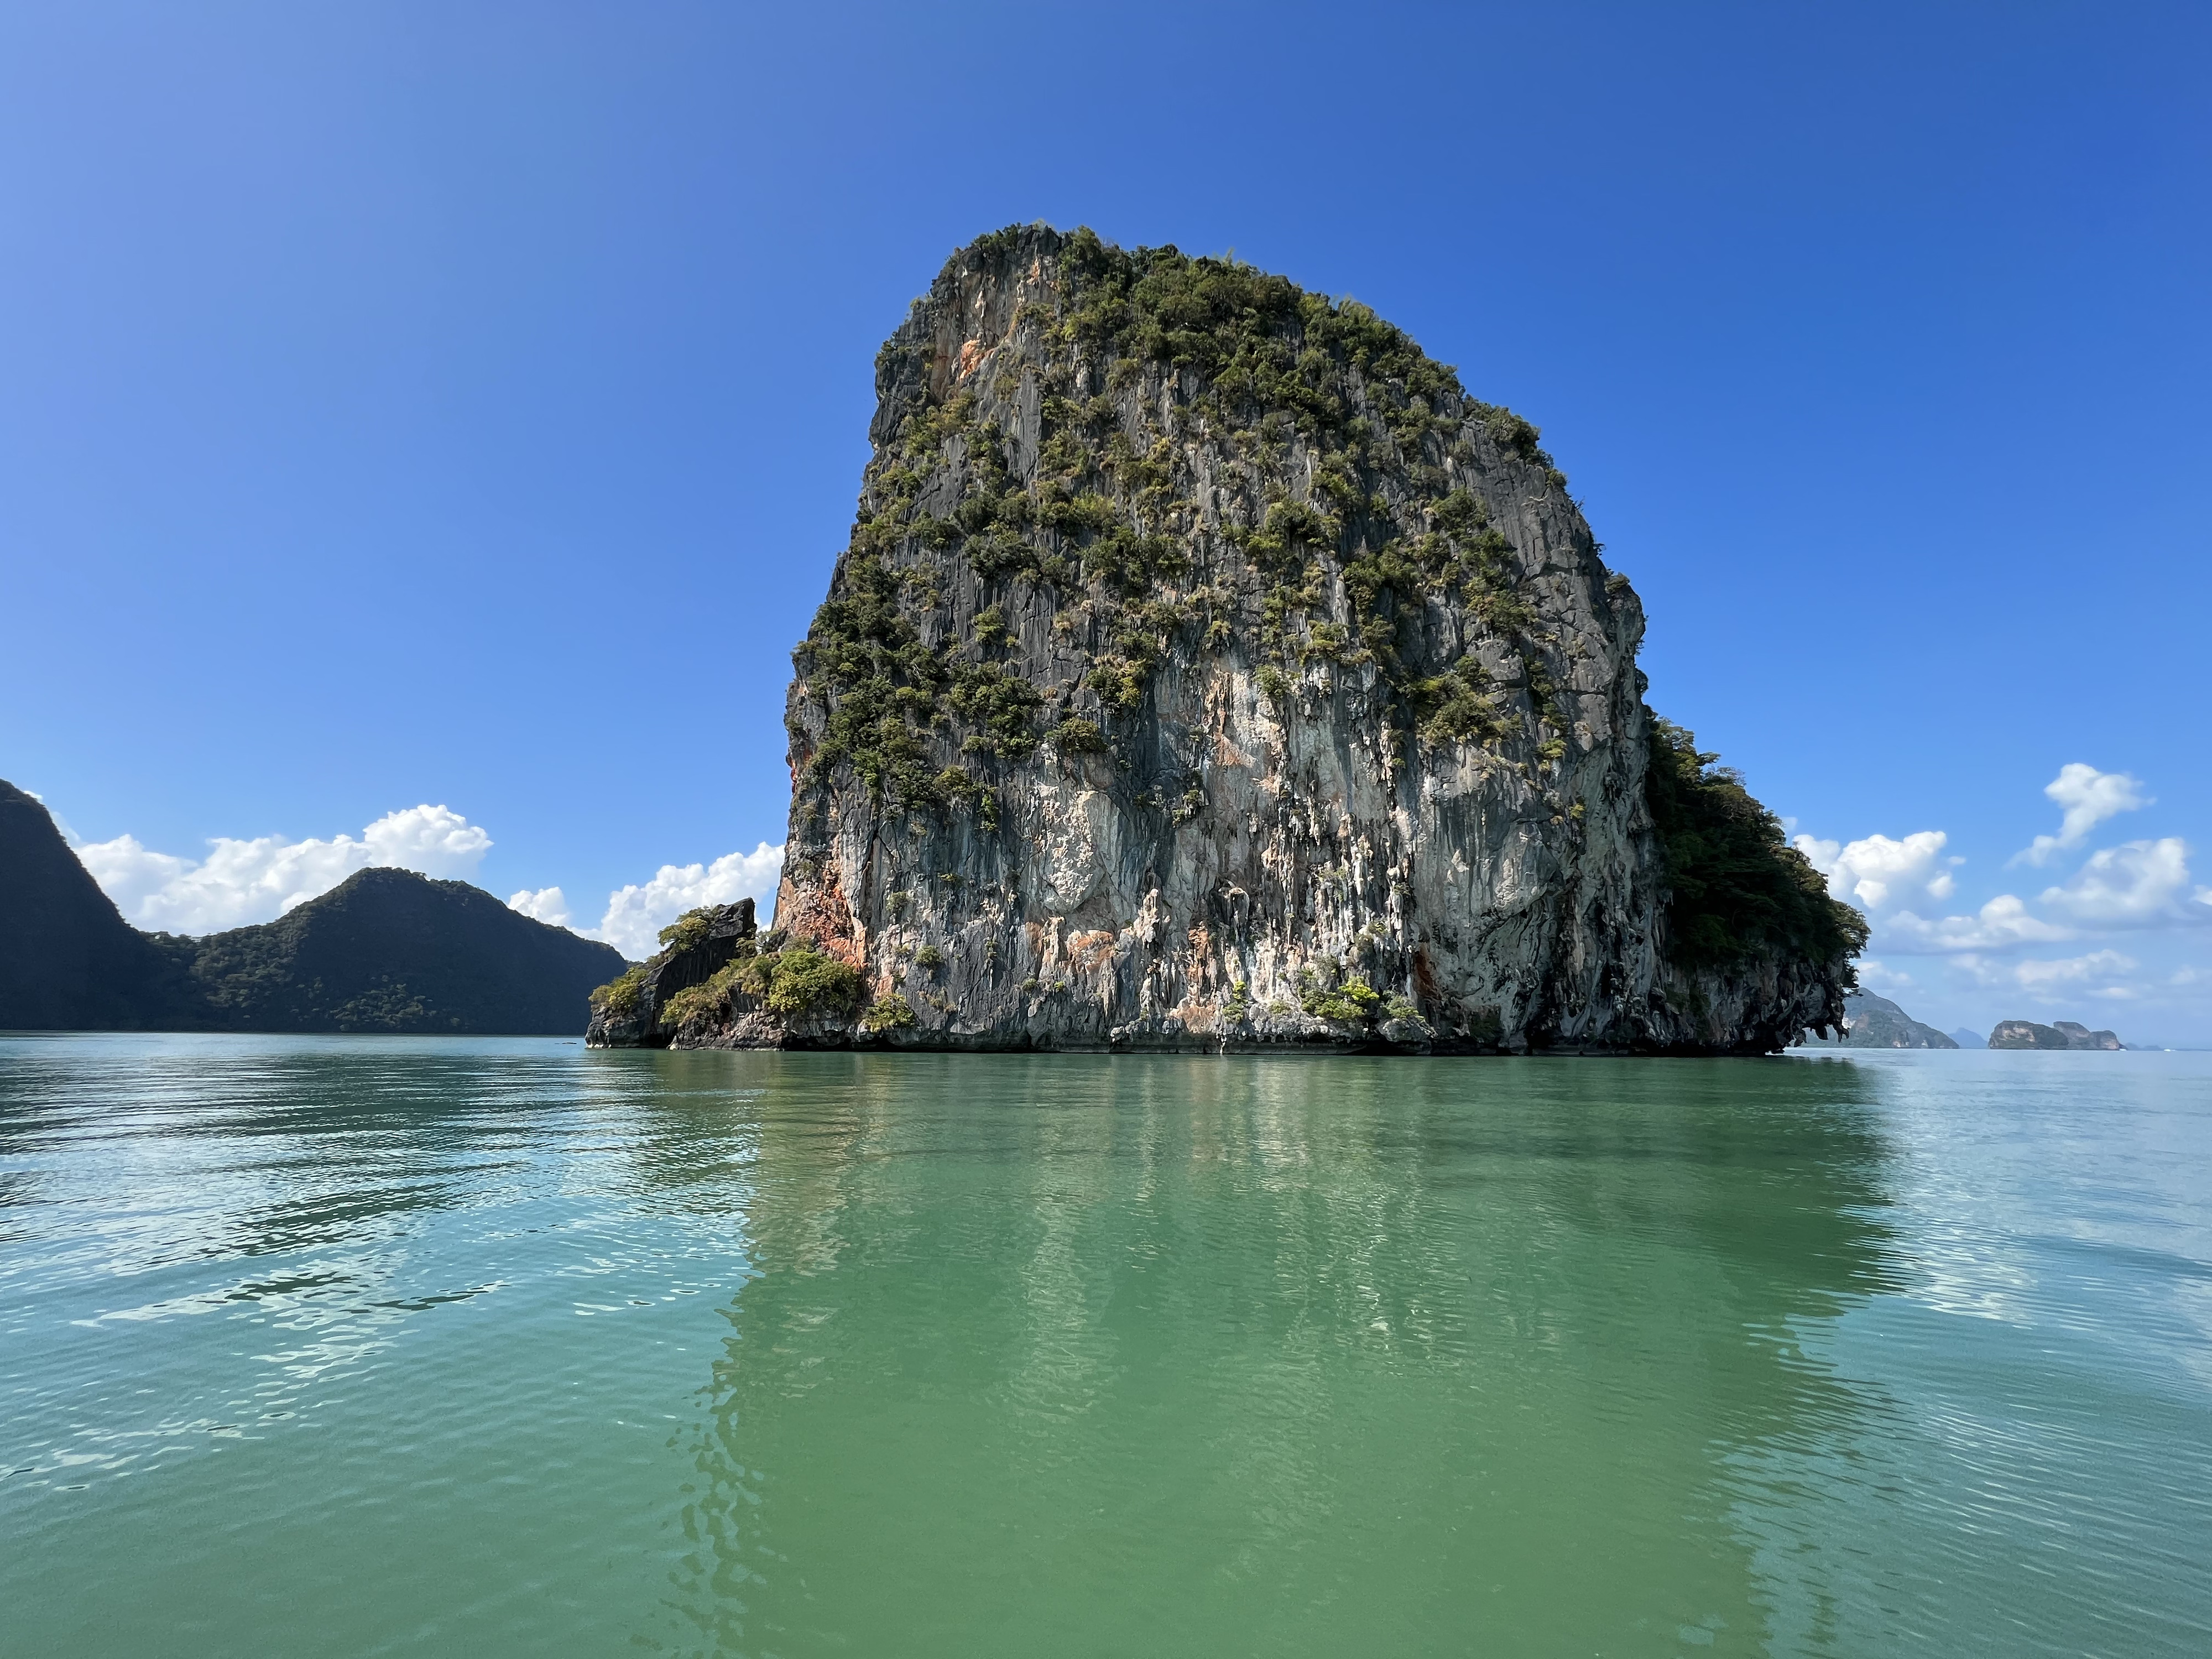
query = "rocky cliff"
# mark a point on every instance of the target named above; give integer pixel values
(1207, 669)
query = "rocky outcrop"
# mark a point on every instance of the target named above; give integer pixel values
(2062, 1034)
(1207, 669)
(718, 983)
(640, 1010)
(1873, 1022)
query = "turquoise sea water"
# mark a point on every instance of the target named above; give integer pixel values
(339, 1345)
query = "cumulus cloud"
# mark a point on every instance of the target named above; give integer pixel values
(435, 839)
(2089, 797)
(241, 882)
(131, 872)
(2057, 983)
(636, 914)
(547, 904)
(2003, 922)
(2143, 884)
(2100, 973)
(1878, 871)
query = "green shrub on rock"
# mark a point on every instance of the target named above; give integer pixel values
(1735, 885)
(887, 1013)
(707, 997)
(687, 929)
(1349, 1003)
(619, 996)
(801, 981)
(1077, 736)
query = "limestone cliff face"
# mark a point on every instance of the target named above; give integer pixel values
(1209, 670)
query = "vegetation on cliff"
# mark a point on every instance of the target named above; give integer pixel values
(713, 969)
(1107, 517)
(1735, 886)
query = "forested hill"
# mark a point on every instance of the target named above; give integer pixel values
(391, 950)
(68, 960)
(386, 951)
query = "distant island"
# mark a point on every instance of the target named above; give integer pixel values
(1873, 1022)
(2061, 1034)
(1206, 670)
(384, 950)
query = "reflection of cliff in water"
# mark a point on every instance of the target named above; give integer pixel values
(1064, 1353)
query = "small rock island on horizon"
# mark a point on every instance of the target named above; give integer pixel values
(2060, 1033)
(1207, 669)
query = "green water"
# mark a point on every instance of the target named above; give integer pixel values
(364, 1346)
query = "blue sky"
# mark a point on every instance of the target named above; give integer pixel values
(417, 405)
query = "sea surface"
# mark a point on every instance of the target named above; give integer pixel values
(354, 1346)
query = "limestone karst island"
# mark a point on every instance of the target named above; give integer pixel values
(697, 957)
(1209, 670)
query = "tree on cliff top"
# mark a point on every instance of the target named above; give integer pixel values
(1735, 886)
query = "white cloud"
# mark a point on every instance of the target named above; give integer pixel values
(2143, 884)
(636, 914)
(129, 872)
(2089, 797)
(547, 904)
(241, 882)
(2100, 973)
(435, 839)
(2106, 975)
(1878, 976)
(1878, 871)
(2003, 921)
